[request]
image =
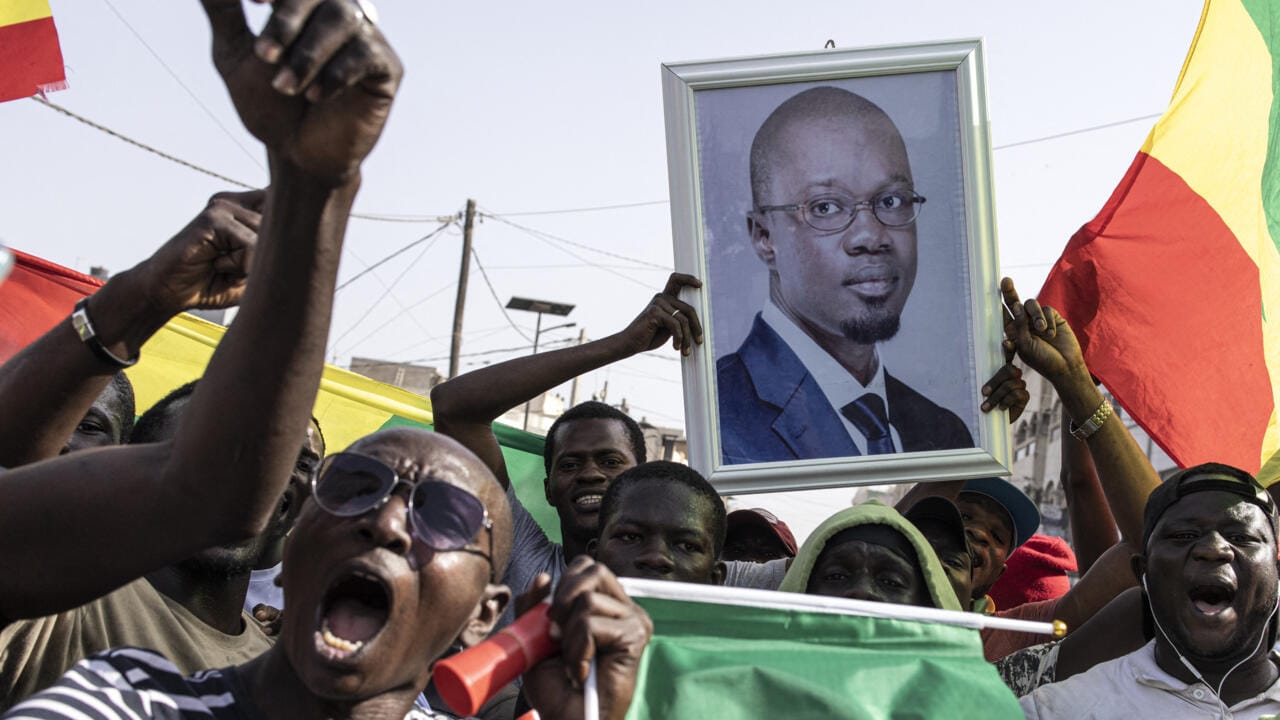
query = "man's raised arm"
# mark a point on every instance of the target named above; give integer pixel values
(466, 406)
(315, 87)
(1047, 344)
(46, 389)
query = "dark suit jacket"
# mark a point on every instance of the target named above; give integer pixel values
(772, 409)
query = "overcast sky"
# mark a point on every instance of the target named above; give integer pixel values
(534, 107)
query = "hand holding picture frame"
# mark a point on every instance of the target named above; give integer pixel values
(837, 206)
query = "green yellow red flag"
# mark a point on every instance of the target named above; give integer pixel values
(38, 294)
(30, 56)
(1174, 288)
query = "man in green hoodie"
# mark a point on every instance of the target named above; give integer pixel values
(871, 552)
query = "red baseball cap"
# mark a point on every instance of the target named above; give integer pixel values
(761, 517)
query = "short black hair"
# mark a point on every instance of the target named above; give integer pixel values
(151, 426)
(320, 432)
(595, 410)
(126, 407)
(665, 471)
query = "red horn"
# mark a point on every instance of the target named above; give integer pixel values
(467, 680)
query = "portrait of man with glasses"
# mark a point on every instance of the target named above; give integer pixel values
(834, 220)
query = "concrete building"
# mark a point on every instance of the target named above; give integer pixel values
(417, 379)
(1037, 452)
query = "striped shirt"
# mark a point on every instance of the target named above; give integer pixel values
(132, 684)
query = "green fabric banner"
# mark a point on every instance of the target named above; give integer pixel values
(730, 661)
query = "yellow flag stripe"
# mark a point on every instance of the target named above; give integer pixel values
(13, 12)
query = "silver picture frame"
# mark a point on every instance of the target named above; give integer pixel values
(703, 119)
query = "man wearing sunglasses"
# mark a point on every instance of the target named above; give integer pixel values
(395, 554)
(833, 220)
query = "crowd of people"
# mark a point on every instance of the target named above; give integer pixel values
(214, 559)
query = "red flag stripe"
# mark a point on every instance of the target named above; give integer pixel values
(30, 59)
(36, 296)
(1167, 306)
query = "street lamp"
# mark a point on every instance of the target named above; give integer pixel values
(541, 307)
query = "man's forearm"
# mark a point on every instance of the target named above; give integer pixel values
(240, 438)
(46, 389)
(1125, 472)
(1093, 529)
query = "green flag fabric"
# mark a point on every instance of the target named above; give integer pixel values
(729, 661)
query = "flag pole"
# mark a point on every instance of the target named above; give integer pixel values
(748, 597)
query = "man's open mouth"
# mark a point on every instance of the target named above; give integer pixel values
(1211, 598)
(354, 610)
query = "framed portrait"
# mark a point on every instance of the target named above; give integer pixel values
(837, 206)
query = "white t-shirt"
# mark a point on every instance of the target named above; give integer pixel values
(1134, 686)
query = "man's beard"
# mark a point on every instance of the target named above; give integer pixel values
(875, 325)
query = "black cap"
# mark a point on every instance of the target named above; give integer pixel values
(942, 510)
(1209, 477)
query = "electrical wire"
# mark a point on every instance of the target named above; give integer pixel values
(384, 294)
(496, 299)
(567, 266)
(1069, 133)
(475, 335)
(534, 234)
(140, 145)
(556, 238)
(496, 351)
(190, 93)
(395, 254)
(205, 171)
(403, 311)
(593, 208)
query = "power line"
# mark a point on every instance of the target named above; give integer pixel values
(384, 294)
(497, 299)
(205, 171)
(535, 235)
(495, 351)
(393, 218)
(594, 208)
(1076, 132)
(393, 255)
(584, 246)
(471, 336)
(140, 145)
(404, 309)
(566, 266)
(183, 85)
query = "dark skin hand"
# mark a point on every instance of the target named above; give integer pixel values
(220, 479)
(1046, 344)
(204, 266)
(466, 406)
(1006, 390)
(593, 620)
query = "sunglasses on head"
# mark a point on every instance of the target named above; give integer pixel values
(443, 517)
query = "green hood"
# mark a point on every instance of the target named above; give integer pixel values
(872, 512)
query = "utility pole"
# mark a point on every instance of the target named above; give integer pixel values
(573, 390)
(456, 348)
